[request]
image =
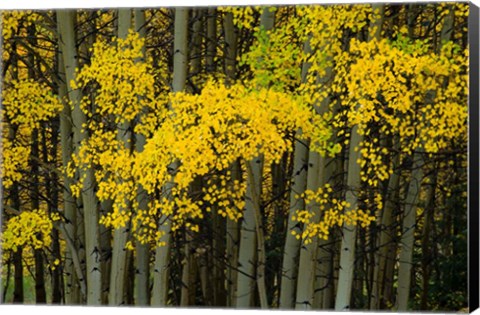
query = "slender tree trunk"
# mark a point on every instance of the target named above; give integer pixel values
(180, 64)
(413, 192)
(68, 45)
(408, 235)
(255, 173)
(306, 269)
(325, 283)
(426, 242)
(57, 283)
(246, 258)
(40, 292)
(347, 256)
(142, 257)
(318, 175)
(274, 247)
(211, 40)
(323, 257)
(218, 246)
(196, 41)
(53, 190)
(118, 272)
(232, 241)
(161, 266)
(251, 236)
(189, 270)
(232, 229)
(69, 203)
(292, 243)
(389, 278)
(188, 273)
(230, 47)
(385, 241)
(5, 281)
(18, 296)
(142, 262)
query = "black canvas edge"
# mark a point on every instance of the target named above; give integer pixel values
(473, 159)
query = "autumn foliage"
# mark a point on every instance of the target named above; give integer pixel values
(365, 113)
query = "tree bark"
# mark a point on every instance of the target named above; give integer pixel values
(246, 258)
(142, 257)
(211, 40)
(426, 241)
(408, 235)
(251, 235)
(306, 269)
(230, 48)
(89, 199)
(196, 41)
(232, 242)
(69, 202)
(386, 241)
(118, 272)
(347, 255)
(291, 252)
(180, 69)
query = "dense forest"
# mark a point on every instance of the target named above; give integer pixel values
(291, 157)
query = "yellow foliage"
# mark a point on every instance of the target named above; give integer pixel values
(15, 158)
(29, 228)
(332, 211)
(29, 103)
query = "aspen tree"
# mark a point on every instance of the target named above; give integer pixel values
(347, 248)
(251, 233)
(93, 272)
(232, 228)
(118, 272)
(180, 63)
(142, 251)
(409, 223)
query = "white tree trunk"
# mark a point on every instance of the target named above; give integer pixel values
(118, 271)
(180, 63)
(68, 200)
(67, 43)
(292, 244)
(408, 232)
(160, 267)
(246, 258)
(347, 254)
(308, 252)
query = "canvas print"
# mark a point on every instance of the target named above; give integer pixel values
(303, 157)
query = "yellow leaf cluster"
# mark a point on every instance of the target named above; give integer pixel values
(123, 85)
(15, 159)
(28, 103)
(333, 212)
(29, 228)
(390, 84)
